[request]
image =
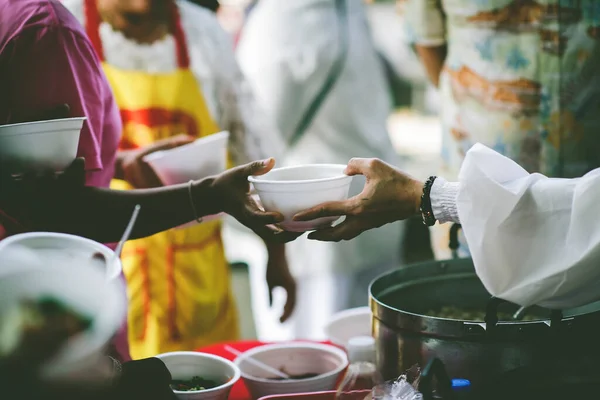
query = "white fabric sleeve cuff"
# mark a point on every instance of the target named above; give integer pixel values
(443, 200)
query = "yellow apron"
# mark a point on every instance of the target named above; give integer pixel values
(178, 282)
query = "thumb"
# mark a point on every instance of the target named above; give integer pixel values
(257, 168)
(359, 166)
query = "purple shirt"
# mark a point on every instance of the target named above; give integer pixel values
(47, 60)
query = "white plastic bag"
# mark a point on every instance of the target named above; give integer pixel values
(403, 388)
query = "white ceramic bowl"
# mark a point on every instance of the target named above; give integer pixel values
(289, 190)
(185, 365)
(348, 324)
(82, 287)
(40, 145)
(294, 359)
(60, 247)
(204, 157)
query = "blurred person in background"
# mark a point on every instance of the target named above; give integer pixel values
(172, 71)
(313, 66)
(521, 77)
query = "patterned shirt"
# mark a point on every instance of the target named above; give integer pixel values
(521, 77)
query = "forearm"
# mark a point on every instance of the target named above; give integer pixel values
(276, 251)
(102, 214)
(119, 173)
(433, 59)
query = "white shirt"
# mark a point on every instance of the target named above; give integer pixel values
(286, 50)
(212, 61)
(533, 239)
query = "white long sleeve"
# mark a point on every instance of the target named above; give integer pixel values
(533, 239)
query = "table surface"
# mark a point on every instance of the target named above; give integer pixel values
(238, 391)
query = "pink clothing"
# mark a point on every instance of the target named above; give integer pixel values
(47, 60)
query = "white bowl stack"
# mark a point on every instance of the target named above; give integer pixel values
(184, 365)
(41, 145)
(289, 190)
(329, 362)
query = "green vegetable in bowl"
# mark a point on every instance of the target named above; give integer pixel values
(196, 383)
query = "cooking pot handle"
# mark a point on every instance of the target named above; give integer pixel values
(435, 368)
(491, 313)
(454, 243)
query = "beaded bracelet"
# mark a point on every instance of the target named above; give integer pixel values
(426, 210)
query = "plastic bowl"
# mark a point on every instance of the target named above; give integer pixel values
(204, 157)
(61, 247)
(82, 287)
(329, 362)
(289, 190)
(348, 324)
(41, 145)
(185, 365)
(330, 395)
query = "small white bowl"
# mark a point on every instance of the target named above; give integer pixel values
(290, 190)
(185, 365)
(348, 324)
(80, 286)
(203, 157)
(41, 145)
(61, 247)
(294, 359)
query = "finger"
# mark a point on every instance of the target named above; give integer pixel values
(271, 288)
(347, 230)
(258, 168)
(169, 143)
(360, 166)
(330, 209)
(290, 302)
(182, 139)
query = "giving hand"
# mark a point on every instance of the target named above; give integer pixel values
(388, 196)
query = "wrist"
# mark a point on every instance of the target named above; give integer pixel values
(206, 198)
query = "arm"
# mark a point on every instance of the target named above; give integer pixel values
(426, 29)
(533, 239)
(66, 205)
(433, 58)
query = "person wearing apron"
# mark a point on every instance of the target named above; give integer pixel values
(178, 281)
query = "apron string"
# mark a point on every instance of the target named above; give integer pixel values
(92, 27)
(183, 58)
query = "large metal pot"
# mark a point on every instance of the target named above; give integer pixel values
(475, 350)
